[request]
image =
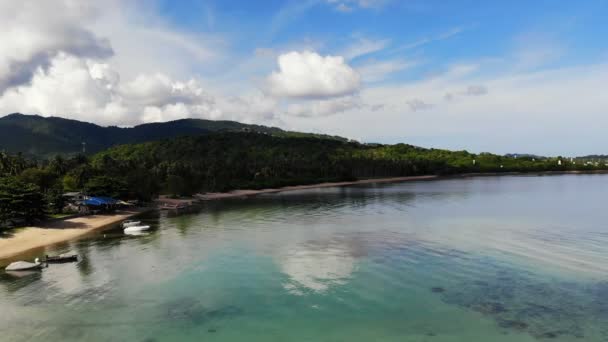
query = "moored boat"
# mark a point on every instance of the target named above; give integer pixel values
(135, 229)
(130, 223)
(139, 233)
(24, 265)
(62, 258)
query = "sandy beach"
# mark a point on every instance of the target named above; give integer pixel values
(26, 239)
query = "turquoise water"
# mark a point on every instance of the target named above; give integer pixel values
(480, 259)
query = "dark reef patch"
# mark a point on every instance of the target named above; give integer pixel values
(523, 302)
(192, 310)
(511, 324)
(489, 308)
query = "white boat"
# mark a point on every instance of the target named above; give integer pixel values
(130, 223)
(24, 265)
(135, 229)
(140, 233)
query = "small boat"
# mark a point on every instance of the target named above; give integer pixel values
(140, 233)
(135, 229)
(62, 258)
(24, 265)
(175, 206)
(130, 223)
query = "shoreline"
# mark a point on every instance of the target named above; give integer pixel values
(210, 196)
(249, 193)
(28, 239)
(23, 240)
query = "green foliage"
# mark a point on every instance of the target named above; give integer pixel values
(40, 177)
(20, 201)
(12, 165)
(54, 199)
(106, 186)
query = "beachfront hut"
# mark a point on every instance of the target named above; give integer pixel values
(74, 202)
(74, 197)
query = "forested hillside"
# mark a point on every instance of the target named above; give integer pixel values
(42, 137)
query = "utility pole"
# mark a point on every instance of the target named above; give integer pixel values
(84, 147)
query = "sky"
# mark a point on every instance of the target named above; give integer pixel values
(497, 76)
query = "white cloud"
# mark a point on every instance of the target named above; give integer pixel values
(536, 112)
(325, 107)
(110, 63)
(31, 38)
(418, 105)
(476, 90)
(309, 75)
(144, 43)
(93, 92)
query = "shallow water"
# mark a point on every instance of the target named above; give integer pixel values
(480, 259)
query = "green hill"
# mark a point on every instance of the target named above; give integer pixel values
(38, 136)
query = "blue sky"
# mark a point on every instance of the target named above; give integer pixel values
(500, 76)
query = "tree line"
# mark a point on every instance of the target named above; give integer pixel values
(31, 189)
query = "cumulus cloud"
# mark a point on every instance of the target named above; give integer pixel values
(93, 62)
(120, 64)
(68, 85)
(31, 38)
(310, 75)
(93, 91)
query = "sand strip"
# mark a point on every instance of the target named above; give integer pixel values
(245, 193)
(21, 240)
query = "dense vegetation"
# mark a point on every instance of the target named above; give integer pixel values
(224, 161)
(41, 137)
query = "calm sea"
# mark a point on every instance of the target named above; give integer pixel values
(479, 259)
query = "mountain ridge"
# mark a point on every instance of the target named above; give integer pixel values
(38, 136)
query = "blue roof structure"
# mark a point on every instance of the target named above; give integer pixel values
(100, 201)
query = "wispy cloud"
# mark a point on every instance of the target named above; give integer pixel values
(374, 70)
(532, 50)
(288, 13)
(346, 6)
(431, 39)
(364, 46)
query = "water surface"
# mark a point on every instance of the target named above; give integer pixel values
(480, 259)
